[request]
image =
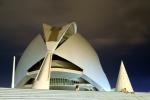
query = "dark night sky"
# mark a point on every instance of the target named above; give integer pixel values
(117, 29)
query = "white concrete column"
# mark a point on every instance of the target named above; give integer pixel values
(13, 73)
(42, 81)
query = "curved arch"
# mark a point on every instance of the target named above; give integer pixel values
(66, 32)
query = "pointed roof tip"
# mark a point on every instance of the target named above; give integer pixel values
(71, 27)
(14, 57)
(48, 27)
(122, 63)
(46, 31)
(121, 60)
(74, 25)
(45, 26)
(73, 22)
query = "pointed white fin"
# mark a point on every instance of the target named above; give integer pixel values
(123, 82)
(13, 72)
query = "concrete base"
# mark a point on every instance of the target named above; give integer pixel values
(37, 94)
(41, 85)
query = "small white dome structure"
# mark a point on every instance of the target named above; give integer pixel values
(63, 59)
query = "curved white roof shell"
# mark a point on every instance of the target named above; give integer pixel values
(78, 51)
(75, 49)
(33, 53)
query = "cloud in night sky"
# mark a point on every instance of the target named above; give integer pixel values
(118, 29)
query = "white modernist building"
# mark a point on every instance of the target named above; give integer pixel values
(60, 59)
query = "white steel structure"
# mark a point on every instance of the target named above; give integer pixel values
(60, 59)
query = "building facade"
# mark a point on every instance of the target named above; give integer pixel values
(60, 59)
